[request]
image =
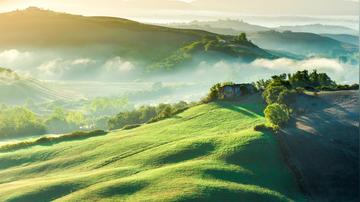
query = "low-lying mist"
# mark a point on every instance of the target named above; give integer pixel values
(102, 75)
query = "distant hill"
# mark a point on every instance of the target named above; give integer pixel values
(345, 38)
(319, 29)
(306, 44)
(15, 89)
(106, 36)
(228, 26)
(296, 45)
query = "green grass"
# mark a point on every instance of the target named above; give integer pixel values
(207, 153)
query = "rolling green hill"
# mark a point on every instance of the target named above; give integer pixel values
(102, 37)
(207, 153)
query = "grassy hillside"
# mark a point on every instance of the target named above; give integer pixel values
(207, 153)
(98, 36)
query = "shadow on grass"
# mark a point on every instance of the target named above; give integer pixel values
(48, 141)
(248, 109)
(124, 189)
(47, 193)
(209, 194)
(190, 152)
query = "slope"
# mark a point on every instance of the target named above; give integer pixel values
(328, 162)
(207, 153)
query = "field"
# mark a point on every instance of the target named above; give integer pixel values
(207, 153)
(328, 134)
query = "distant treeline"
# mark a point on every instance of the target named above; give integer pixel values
(146, 114)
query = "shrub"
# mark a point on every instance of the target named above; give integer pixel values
(276, 115)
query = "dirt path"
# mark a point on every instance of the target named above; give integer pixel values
(322, 146)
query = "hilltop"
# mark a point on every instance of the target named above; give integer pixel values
(207, 153)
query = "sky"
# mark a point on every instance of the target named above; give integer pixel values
(187, 10)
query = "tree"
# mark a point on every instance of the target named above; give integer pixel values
(241, 38)
(75, 118)
(271, 93)
(276, 115)
(213, 94)
(20, 121)
(300, 79)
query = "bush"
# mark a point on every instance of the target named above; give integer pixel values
(276, 115)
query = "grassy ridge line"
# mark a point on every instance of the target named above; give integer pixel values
(52, 140)
(207, 153)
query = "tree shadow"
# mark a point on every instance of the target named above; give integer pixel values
(249, 109)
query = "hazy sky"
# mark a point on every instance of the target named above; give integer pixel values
(191, 9)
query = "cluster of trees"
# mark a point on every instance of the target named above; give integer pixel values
(241, 38)
(106, 106)
(303, 79)
(280, 92)
(59, 117)
(279, 96)
(146, 114)
(19, 121)
(61, 121)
